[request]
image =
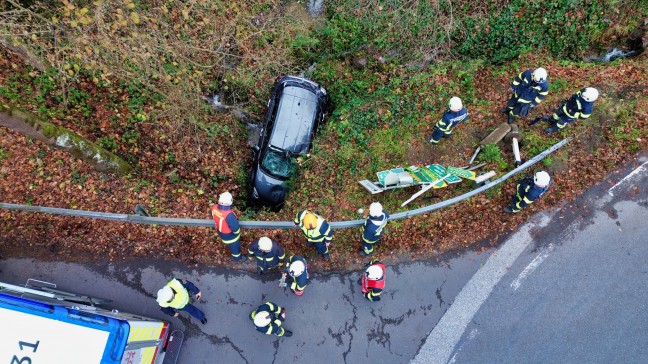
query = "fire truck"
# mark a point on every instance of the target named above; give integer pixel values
(42, 324)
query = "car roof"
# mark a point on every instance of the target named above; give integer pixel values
(295, 118)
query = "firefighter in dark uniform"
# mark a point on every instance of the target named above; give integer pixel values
(175, 297)
(579, 106)
(227, 225)
(317, 231)
(268, 319)
(529, 89)
(297, 269)
(529, 190)
(373, 280)
(455, 114)
(268, 254)
(373, 228)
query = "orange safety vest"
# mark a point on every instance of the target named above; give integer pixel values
(368, 284)
(219, 219)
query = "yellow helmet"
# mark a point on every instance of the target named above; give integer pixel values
(309, 221)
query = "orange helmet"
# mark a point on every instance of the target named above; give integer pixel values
(309, 221)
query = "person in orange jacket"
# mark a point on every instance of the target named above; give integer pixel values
(227, 225)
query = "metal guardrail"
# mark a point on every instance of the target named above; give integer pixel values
(278, 224)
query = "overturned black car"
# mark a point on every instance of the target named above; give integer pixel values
(295, 110)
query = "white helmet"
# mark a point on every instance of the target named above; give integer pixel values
(262, 319)
(455, 104)
(541, 178)
(225, 198)
(296, 268)
(374, 272)
(539, 75)
(165, 294)
(265, 243)
(375, 209)
(590, 94)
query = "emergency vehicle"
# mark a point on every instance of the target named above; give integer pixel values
(42, 324)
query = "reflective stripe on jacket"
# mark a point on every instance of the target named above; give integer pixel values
(450, 119)
(576, 107)
(181, 295)
(527, 91)
(527, 192)
(300, 282)
(267, 260)
(371, 231)
(219, 213)
(321, 232)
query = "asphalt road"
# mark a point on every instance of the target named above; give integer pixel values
(569, 286)
(332, 322)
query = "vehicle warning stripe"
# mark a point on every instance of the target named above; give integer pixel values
(144, 333)
(147, 355)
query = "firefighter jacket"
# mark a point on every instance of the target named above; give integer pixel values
(300, 282)
(226, 222)
(267, 260)
(574, 108)
(450, 119)
(373, 228)
(321, 233)
(182, 291)
(527, 91)
(274, 327)
(372, 288)
(527, 192)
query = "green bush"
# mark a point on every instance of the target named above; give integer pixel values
(491, 153)
(560, 27)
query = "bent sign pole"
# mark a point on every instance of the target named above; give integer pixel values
(277, 224)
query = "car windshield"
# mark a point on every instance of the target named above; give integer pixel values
(277, 163)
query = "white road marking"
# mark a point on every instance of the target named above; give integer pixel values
(443, 339)
(535, 263)
(639, 169)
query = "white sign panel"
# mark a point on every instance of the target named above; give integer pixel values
(33, 339)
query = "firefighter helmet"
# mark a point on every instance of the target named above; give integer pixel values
(309, 221)
(165, 294)
(590, 94)
(265, 243)
(374, 272)
(296, 268)
(375, 209)
(262, 319)
(225, 198)
(539, 75)
(541, 178)
(455, 104)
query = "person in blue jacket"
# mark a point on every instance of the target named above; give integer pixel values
(373, 228)
(529, 190)
(227, 225)
(175, 296)
(455, 114)
(529, 89)
(317, 231)
(297, 269)
(268, 254)
(579, 106)
(268, 319)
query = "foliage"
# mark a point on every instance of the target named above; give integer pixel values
(625, 129)
(405, 29)
(4, 155)
(491, 153)
(142, 67)
(560, 27)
